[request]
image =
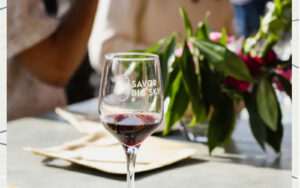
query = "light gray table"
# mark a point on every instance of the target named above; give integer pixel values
(246, 167)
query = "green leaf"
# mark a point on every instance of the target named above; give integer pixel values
(224, 37)
(262, 133)
(187, 23)
(278, 6)
(257, 125)
(274, 138)
(165, 48)
(166, 55)
(215, 53)
(222, 123)
(177, 105)
(192, 84)
(202, 32)
(236, 68)
(224, 60)
(171, 77)
(269, 42)
(267, 103)
(211, 86)
(159, 46)
(155, 48)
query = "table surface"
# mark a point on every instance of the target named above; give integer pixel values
(243, 163)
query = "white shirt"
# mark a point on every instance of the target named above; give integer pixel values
(122, 25)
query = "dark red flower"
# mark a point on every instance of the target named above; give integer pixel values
(239, 85)
(255, 63)
(285, 73)
(271, 57)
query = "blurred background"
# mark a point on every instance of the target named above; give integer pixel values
(56, 47)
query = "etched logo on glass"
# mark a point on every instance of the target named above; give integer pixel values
(142, 88)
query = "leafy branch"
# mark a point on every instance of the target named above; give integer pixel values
(205, 78)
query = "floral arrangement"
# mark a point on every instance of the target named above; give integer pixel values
(204, 75)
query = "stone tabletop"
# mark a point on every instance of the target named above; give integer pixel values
(244, 166)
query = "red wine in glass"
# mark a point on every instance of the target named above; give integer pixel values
(131, 101)
(131, 129)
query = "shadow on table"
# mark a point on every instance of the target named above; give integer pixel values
(254, 158)
(177, 166)
(248, 154)
(94, 172)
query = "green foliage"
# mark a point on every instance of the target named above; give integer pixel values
(197, 77)
(215, 53)
(262, 104)
(266, 101)
(274, 138)
(221, 123)
(202, 32)
(187, 23)
(274, 25)
(257, 125)
(178, 103)
(192, 84)
(236, 68)
(224, 37)
(261, 131)
(165, 49)
(224, 60)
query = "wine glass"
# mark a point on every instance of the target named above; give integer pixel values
(131, 101)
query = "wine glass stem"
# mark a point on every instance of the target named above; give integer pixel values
(131, 158)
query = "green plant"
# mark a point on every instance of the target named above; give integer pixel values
(204, 74)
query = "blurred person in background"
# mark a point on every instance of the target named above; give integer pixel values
(47, 41)
(247, 15)
(136, 24)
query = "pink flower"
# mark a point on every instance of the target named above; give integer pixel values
(239, 85)
(216, 37)
(178, 52)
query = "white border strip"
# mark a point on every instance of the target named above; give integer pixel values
(3, 63)
(296, 95)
